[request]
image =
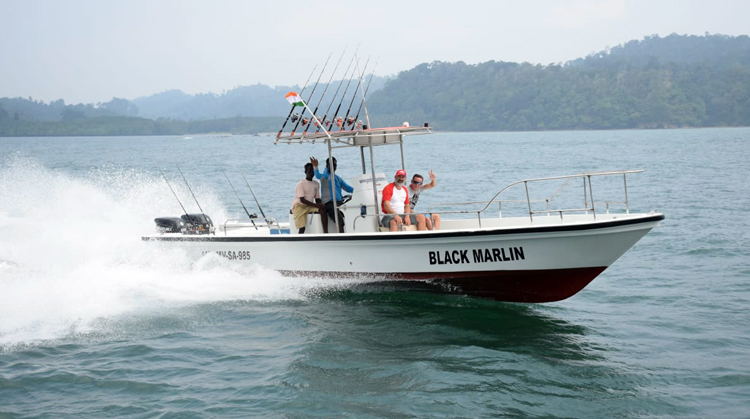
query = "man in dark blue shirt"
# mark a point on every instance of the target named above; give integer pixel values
(325, 189)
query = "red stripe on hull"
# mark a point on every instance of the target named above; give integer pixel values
(542, 286)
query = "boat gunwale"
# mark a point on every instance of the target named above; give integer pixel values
(417, 235)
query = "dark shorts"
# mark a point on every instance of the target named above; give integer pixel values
(329, 211)
(386, 220)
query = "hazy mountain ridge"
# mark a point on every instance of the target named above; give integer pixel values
(244, 101)
(674, 81)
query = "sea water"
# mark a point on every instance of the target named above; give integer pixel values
(96, 323)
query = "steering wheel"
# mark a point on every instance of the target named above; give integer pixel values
(345, 199)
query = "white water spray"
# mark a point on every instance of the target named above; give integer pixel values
(72, 255)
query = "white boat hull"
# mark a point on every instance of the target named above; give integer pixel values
(542, 261)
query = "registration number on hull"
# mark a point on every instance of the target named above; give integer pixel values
(231, 254)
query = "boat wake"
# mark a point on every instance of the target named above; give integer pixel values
(72, 255)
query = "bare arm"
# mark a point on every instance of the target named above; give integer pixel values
(407, 211)
(433, 181)
(312, 204)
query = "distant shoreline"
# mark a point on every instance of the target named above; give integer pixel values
(273, 133)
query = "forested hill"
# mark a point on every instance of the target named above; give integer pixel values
(675, 81)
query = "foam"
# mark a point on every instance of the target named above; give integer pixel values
(72, 253)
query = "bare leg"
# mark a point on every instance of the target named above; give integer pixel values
(436, 221)
(421, 226)
(324, 221)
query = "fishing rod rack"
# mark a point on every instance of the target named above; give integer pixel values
(589, 204)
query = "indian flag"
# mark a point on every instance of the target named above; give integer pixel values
(294, 99)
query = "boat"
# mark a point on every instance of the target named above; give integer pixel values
(547, 252)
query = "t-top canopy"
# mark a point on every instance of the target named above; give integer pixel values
(358, 138)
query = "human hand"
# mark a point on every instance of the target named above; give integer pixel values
(314, 161)
(432, 176)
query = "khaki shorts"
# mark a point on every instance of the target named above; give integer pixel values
(300, 212)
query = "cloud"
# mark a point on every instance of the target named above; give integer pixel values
(580, 14)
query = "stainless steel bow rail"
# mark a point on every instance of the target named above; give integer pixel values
(589, 204)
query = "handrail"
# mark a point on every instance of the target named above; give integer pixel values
(587, 187)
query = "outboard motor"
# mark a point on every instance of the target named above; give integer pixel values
(198, 223)
(169, 224)
(186, 224)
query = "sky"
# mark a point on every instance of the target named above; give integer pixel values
(90, 51)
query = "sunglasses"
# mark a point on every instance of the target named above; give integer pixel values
(415, 182)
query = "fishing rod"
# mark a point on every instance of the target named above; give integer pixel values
(333, 99)
(311, 94)
(174, 193)
(359, 81)
(238, 197)
(364, 95)
(344, 95)
(290, 112)
(256, 199)
(191, 191)
(315, 112)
